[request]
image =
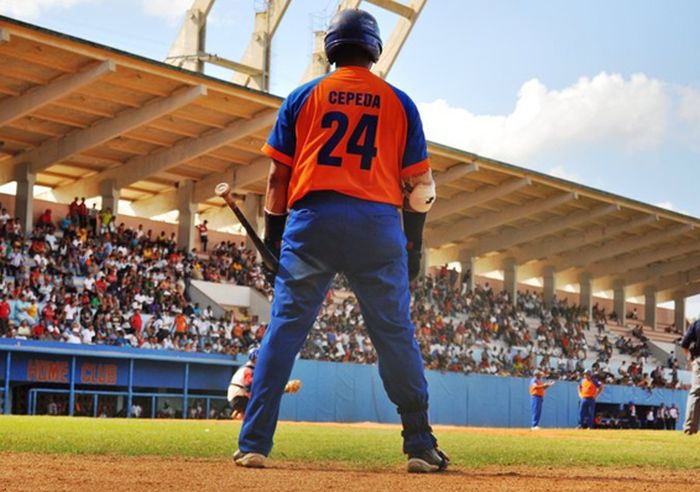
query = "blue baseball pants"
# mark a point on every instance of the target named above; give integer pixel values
(536, 409)
(586, 412)
(327, 232)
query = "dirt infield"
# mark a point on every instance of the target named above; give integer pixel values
(40, 472)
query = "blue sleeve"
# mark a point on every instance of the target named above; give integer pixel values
(283, 136)
(689, 336)
(416, 150)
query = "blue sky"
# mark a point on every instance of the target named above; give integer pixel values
(606, 93)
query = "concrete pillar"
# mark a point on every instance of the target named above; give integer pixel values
(585, 298)
(24, 199)
(679, 311)
(510, 279)
(251, 210)
(650, 307)
(467, 263)
(619, 305)
(110, 196)
(549, 288)
(186, 212)
(425, 260)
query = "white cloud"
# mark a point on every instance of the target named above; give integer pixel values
(689, 110)
(32, 9)
(632, 113)
(668, 205)
(171, 10)
(561, 172)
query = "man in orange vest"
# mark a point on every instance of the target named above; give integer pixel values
(537, 389)
(589, 389)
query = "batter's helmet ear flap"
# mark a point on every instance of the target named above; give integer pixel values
(356, 28)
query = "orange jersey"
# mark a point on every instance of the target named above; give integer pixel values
(537, 387)
(589, 388)
(349, 132)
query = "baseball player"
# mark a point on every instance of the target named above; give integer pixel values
(691, 349)
(537, 389)
(348, 151)
(588, 390)
(239, 388)
(241, 382)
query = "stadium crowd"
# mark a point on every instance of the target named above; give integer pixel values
(88, 280)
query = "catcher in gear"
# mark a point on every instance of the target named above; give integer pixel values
(241, 382)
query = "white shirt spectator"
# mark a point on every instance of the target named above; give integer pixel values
(87, 334)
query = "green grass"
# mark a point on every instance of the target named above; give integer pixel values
(352, 446)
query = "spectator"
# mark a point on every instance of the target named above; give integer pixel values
(203, 234)
(82, 214)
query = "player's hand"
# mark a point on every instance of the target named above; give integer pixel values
(274, 247)
(414, 257)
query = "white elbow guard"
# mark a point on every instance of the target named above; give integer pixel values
(422, 197)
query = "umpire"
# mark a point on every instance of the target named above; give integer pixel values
(691, 349)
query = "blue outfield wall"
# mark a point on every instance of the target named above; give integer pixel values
(344, 392)
(332, 392)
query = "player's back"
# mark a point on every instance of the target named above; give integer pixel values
(354, 134)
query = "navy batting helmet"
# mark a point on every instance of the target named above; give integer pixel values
(353, 27)
(253, 354)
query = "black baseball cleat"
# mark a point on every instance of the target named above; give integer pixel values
(428, 460)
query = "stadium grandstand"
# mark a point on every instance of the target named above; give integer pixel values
(523, 270)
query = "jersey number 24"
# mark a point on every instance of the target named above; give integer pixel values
(366, 127)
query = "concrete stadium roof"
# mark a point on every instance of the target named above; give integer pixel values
(84, 117)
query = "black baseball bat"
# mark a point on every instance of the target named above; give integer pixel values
(269, 259)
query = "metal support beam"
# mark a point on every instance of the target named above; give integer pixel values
(549, 286)
(613, 248)
(558, 245)
(454, 232)
(619, 302)
(141, 167)
(110, 192)
(467, 263)
(240, 177)
(399, 35)
(585, 298)
(650, 307)
(59, 149)
(24, 198)
(465, 200)
(252, 208)
(19, 106)
(506, 239)
(257, 54)
(395, 7)
(408, 14)
(187, 209)
(651, 272)
(626, 264)
(510, 279)
(191, 39)
(454, 173)
(679, 311)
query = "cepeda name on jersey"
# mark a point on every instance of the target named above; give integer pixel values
(354, 99)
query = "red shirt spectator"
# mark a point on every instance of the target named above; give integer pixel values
(4, 309)
(45, 218)
(136, 322)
